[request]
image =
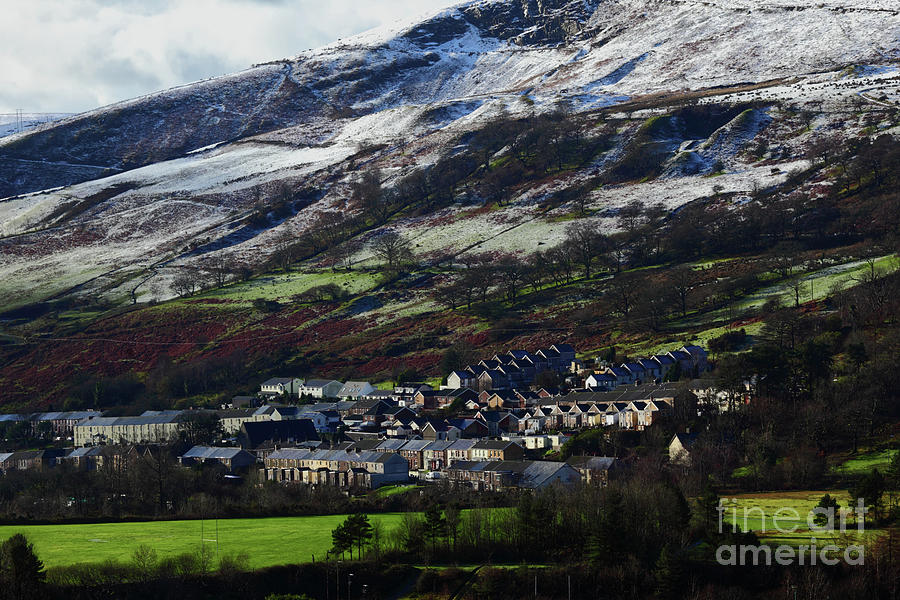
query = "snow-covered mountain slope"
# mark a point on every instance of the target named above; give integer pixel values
(133, 188)
(12, 123)
(593, 51)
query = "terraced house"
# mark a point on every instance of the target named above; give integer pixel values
(152, 428)
(338, 468)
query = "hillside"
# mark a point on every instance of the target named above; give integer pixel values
(491, 128)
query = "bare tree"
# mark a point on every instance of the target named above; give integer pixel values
(393, 250)
(220, 269)
(368, 195)
(584, 244)
(682, 281)
(624, 290)
(186, 282)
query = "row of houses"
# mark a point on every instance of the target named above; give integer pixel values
(60, 424)
(493, 414)
(250, 426)
(338, 468)
(687, 360)
(314, 388)
(485, 468)
(30, 460)
(515, 369)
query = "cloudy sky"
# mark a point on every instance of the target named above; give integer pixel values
(74, 55)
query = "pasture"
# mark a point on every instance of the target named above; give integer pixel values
(781, 517)
(268, 541)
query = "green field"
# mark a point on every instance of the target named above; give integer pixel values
(781, 517)
(272, 541)
(866, 462)
(283, 286)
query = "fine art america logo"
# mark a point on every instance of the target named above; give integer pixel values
(823, 522)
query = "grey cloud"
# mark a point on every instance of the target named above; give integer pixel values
(193, 67)
(96, 69)
(138, 7)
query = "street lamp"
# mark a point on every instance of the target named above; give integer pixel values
(349, 585)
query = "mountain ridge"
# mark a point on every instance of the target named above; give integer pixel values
(165, 174)
(480, 54)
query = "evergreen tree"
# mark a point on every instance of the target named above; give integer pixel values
(435, 526)
(707, 508)
(608, 539)
(870, 489)
(359, 531)
(669, 574)
(893, 471)
(22, 574)
(341, 540)
(826, 502)
(452, 516)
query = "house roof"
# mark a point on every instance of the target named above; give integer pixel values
(278, 380)
(364, 445)
(687, 439)
(355, 388)
(319, 383)
(367, 403)
(209, 452)
(494, 375)
(415, 445)
(594, 463)
(153, 418)
(493, 416)
(527, 473)
(392, 445)
(463, 423)
(462, 445)
(334, 455)
(255, 434)
(83, 452)
(439, 446)
(493, 445)
(564, 348)
(602, 377)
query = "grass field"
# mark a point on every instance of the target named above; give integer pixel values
(283, 286)
(816, 286)
(268, 542)
(781, 517)
(866, 462)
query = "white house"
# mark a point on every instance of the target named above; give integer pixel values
(321, 388)
(601, 381)
(289, 386)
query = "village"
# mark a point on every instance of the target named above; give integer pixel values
(487, 429)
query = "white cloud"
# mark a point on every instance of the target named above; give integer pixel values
(74, 55)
